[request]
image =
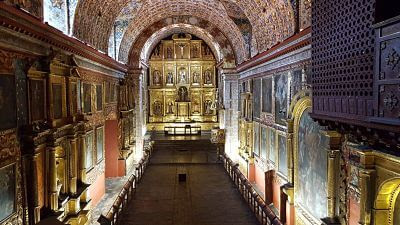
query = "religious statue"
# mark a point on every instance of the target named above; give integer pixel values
(196, 77)
(157, 77)
(196, 107)
(182, 48)
(157, 108)
(207, 50)
(170, 78)
(183, 94)
(207, 77)
(170, 108)
(157, 51)
(169, 52)
(182, 76)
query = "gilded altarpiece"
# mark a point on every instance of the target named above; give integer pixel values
(182, 84)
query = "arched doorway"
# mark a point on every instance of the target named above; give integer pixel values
(387, 203)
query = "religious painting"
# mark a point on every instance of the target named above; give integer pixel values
(182, 75)
(257, 98)
(100, 143)
(87, 98)
(158, 108)
(296, 82)
(89, 149)
(8, 113)
(208, 77)
(195, 50)
(157, 77)
(312, 167)
(266, 95)
(272, 149)
(170, 108)
(256, 143)
(263, 143)
(282, 154)
(281, 92)
(74, 98)
(157, 52)
(37, 99)
(7, 191)
(57, 100)
(183, 94)
(99, 97)
(208, 107)
(207, 53)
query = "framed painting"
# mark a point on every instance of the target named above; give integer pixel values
(266, 105)
(99, 144)
(281, 94)
(57, 100)
(87, 98)
(263, 142)
(282, 155)
(272, 149)
(89, 149)
(312, 167)
(8, 109)
(256, 142)
(257, 98)
(37, 96)
(99, 97)
(7, 191)
(296, 82)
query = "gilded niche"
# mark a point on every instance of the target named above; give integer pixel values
(182, 87)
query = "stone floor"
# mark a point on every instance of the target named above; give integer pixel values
(208, 197)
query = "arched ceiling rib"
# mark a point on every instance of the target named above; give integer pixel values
(211, 11)
(227, 49)
(164, 32)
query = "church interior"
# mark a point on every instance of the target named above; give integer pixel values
(200, 112)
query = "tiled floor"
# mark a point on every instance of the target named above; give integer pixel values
(208, 197)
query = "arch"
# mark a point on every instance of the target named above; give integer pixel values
(385, 201)
(205, 14)
(201, 26)
(156, 37)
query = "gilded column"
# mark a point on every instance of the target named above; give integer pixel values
(73, 166)
(289, 145)
(82, 161)
(367, 177)
(333, 168)
(36, 209)
(53, 179)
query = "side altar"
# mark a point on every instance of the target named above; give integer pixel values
(182, 84)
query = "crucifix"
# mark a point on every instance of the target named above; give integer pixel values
(181, 46)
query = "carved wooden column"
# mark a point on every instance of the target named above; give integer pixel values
(73, 166)
(367, 186)
(289, 145)
(36, 204)
(82, 160)
(53, 179)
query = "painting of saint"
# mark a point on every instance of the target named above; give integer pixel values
(267, 95)
(207, 77)
(196, 77)
(282, 152)
(57, 101)
(157, 51)
(100, 143)
(195, 51)
(87, 98)
(7, 191)
(263, 144)
(89, 150)
(8, 117)
(156, 77)
(170, 78)
(312, 167)
(272, 155)
(281, 92)
(207, 107)
(182, 94)
(99, 97)
(170, 108)
(37, 103)
(157, 108)
(169, 52)
(257, 98)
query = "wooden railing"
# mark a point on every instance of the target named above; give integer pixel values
(262, 211)
(128, 191)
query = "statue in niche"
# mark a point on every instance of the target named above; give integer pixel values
(157, 108)
(170, 108)
(196, 106)
(182, 76)
(195, 52)
(207, 107)
(207, 77)
(157, 77)
(157, 51)
(169, 52)
(207, 51)
(170, 78)
(196, 77)
(183, 94)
